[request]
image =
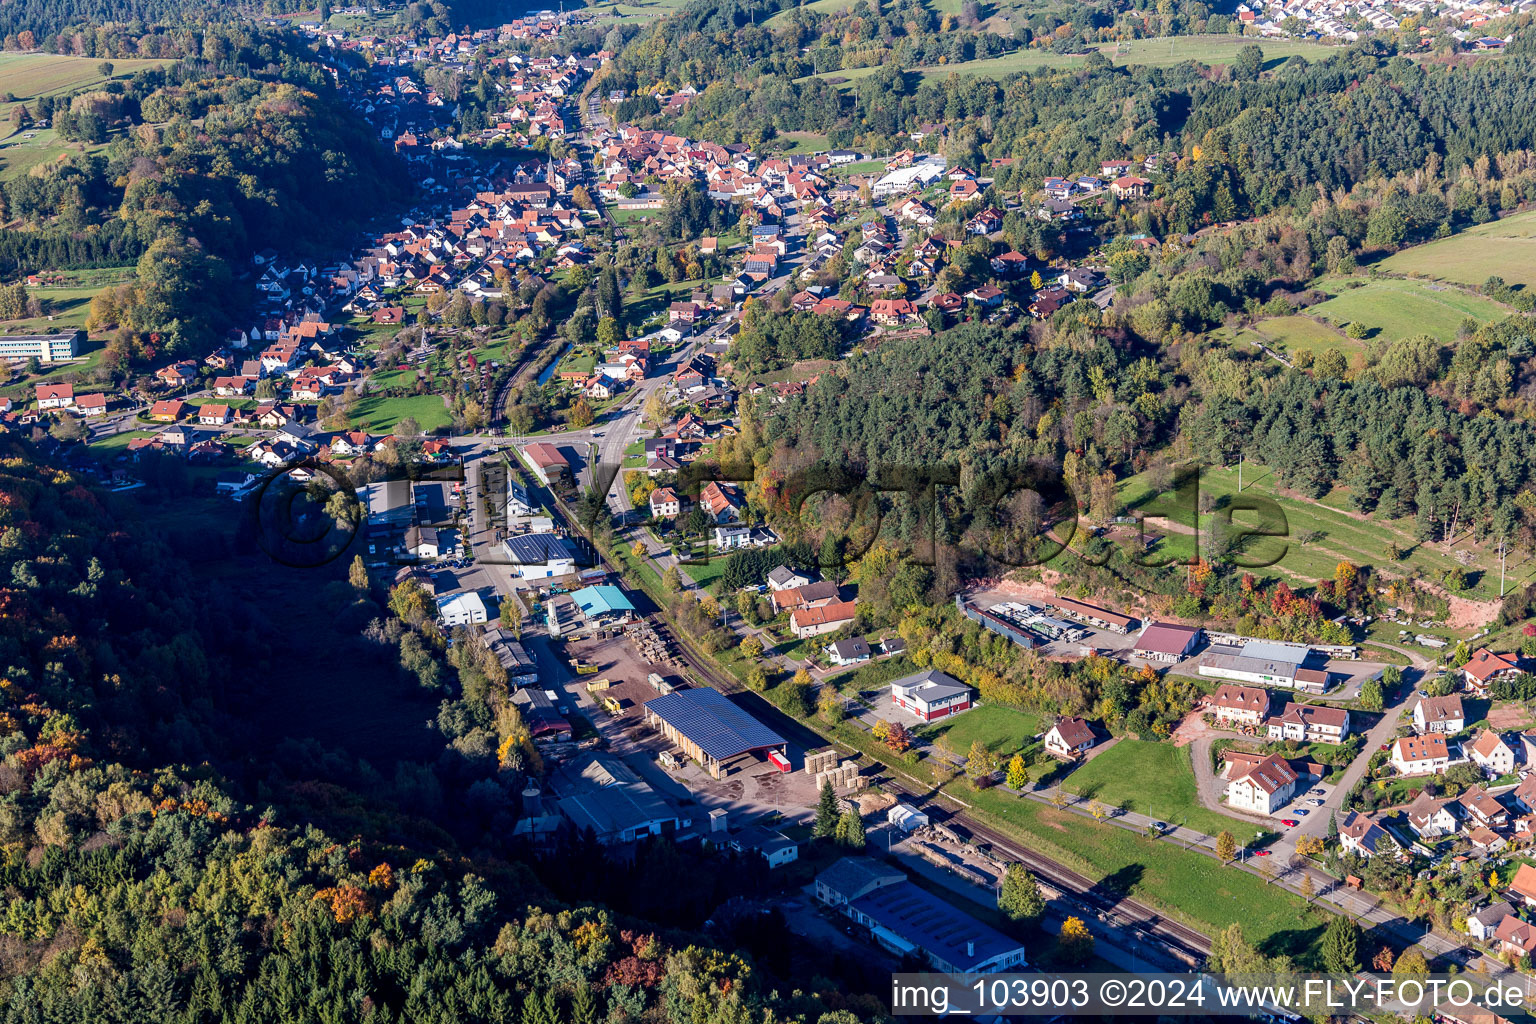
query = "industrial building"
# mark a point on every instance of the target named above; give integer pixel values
(600, 792)
(1166, 641)
(546, 462)
(539, 556)
(711, 730)
(603, 606)
(1268, 663)
(907, 919)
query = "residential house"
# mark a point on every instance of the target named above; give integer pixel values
(213, 415)
(1264, 786)
(1420, 755)
(55, 396)
(1439, 714)
(1069, 738)
(722, 505)
(91, 405)
(665, 503)
(1482, 925)
(1492, 754)
(826, 618)
(1485, 667)
(847, 652)
(1487, 840)
(1360, 834)
(1515, 937)
(1431, 818)
(167, 410)
(1310, 723)
(1241, 705)
(1481, 807)
(785, 578)
(1130, 186)
(1523, 886)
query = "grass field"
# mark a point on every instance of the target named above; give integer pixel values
(1343, 535)
(1150, 778)
(1165, 52)
(1393, 308)
(1003, 731)
(27, 76)
(796, 143)
(1189, 887)
(1504, 248)
(1291, 335)
(379, 413)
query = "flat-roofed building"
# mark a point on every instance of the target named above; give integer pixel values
(47, 348)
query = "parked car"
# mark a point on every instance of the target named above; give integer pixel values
(1289, 822)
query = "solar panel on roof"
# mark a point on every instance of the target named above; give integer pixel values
(720, 728)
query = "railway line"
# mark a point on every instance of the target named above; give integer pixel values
(1185, 946)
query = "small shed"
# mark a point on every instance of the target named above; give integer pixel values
(906, 817)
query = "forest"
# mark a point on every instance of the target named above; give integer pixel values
(163, 861)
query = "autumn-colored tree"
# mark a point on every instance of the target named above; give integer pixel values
(1074, 944)
(1018, 775)
(1309, 846)
(1226, 845)
(751, 647)
(898, 739)
(1344, 576)
(581, 414)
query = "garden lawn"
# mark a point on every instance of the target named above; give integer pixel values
(377, 413)
(1002, 730)
(1503, 248)
(1187, 886)
(1392, 308)
(1150, 778)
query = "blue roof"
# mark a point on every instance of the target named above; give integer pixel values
(708, 718)
(602, 600)
(929, 923)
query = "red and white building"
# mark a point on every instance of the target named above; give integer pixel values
(930, 695)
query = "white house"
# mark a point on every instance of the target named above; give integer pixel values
(1421, 755)
(1361, 834)
(1263, 786)
(422, 542)
(1069, 738)
(1490, 752)
(1439, 714)
(1430, 818)
(1310, 723)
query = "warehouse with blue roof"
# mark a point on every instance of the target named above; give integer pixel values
(709, 728)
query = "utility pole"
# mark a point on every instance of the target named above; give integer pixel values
(1240, 473)
(1501, 568)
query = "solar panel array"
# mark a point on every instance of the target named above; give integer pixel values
(720, 728)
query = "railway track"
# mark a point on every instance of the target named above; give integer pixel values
(1185, 944)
